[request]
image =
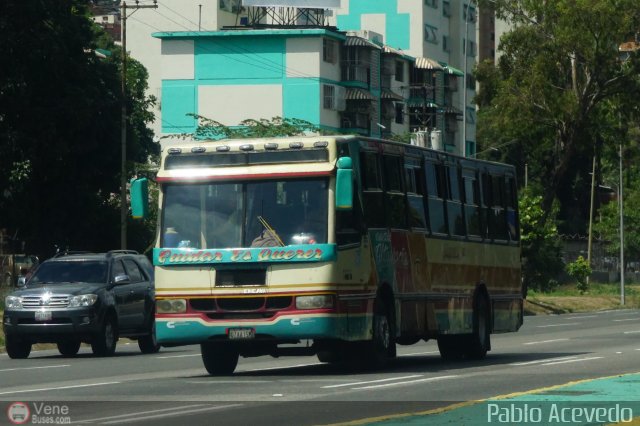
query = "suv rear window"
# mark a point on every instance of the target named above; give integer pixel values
(69, 272)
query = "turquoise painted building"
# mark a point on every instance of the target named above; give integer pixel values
(347, 82)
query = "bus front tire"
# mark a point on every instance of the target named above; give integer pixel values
(382, 347)
(219, 359)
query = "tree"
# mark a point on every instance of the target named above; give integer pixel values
(557, 77)
(541, 247)
(60, 127)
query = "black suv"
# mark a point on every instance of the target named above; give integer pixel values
(83, 297)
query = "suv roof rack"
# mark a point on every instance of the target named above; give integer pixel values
(70, 252)
(112, 252)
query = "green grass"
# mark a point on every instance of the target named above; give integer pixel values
(595, 289)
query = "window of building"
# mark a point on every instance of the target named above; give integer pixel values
(399, 112)
(328, 96)
(399, 71)
(469, 47)
(431, 3)
(430, 34)
(471, 82)
(471, 15)
(446, 43)
(446, 9)
(329, 51)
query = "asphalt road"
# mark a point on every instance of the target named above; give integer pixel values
(172, 387)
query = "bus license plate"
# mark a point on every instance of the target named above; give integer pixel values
(242, 333)
(43, 315)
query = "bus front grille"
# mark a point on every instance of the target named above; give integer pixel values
(260, 304)
(240, 277)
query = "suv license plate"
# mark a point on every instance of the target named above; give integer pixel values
(43, 315)
(242, 333)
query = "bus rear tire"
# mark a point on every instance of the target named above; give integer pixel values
(469, 346)
(219, 359)
(480, 341)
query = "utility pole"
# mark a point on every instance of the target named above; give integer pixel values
(123, 119)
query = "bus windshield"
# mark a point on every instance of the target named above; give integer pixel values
(245, 214)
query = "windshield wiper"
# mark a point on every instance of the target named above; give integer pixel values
(270, 230)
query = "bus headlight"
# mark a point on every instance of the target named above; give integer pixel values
(319, 301)
(171, 306)
(13, 302)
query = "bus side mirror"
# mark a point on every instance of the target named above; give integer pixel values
(344, 184)
(139, 198)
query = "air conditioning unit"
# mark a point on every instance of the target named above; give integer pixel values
(367, 35)
(436, 140)
(419, 138)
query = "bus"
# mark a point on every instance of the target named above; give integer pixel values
(336, 246)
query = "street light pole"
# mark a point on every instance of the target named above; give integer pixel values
(464, 80)
(593, 184)
(123, 121)
(123, 134)
(621, 207)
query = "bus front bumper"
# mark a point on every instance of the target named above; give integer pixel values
(191, 329)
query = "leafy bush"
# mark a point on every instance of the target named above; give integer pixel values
(580, 271)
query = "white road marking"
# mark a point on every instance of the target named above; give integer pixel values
(632, 332)
(573, 360)
(58, 388)
(372, 381)
(540, 361)
(144, 416)
(544, 341)
(176, 356)
(628, 319)
(142, 412)
(558, 325)
(33, 368)
(409, 382)
(284, 366)
(420, 353)
(580, 317)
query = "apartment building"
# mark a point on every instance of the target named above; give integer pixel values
(398, 66)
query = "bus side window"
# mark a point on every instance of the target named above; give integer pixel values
(395, 202)
(349, 224)
(434, 175)
(414, 178)
(512, 209)
(472, 204)
(454, 205)
(497, 214)
(372, 194)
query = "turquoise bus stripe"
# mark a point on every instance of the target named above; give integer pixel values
(292, 253)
